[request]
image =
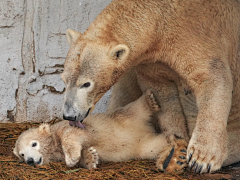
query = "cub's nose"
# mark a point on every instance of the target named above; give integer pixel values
(69, 118)
(30, 161)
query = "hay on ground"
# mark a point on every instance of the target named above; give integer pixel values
(10, 168)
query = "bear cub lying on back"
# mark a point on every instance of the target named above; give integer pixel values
(116, 136)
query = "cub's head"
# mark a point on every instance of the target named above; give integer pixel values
(33, 145)
(90, 69)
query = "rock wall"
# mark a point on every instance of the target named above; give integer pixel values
(33, 50)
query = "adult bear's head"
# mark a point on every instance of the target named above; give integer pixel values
(91, 68)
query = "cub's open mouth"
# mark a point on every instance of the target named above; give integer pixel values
(39, 162)
(77, 124)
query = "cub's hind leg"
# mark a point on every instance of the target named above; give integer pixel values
(169, 152)
(171, 119)
(172, 158)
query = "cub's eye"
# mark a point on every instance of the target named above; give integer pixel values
(86, 85)
(34, 144)
(22, 155)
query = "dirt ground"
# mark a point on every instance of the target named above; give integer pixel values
(10, 168)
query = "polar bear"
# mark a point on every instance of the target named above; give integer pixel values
(121, 135)
(186, 51)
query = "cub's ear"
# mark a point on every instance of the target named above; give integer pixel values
(16, 154)
(72, 36)
(15, 151)
(119, 52)
(44, 128)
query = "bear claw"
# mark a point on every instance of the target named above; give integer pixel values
(209, 168)
(183, 150)
(168, 159)
(198, 169)
(180, 163)
(182, 157)
(189, 157)
(173, 159)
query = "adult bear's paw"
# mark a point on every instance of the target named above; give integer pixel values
(173, 159)
(206, 153)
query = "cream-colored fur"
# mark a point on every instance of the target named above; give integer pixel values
(49, 147)
(187, 51)
(118, 136)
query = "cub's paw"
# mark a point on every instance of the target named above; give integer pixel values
(72, 155)
(89, 158)
(72, 159)
(206, 156)
(154, 106)
(173, 158)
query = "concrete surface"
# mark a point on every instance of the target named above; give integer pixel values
(33, 49)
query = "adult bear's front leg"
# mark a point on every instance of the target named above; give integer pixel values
(212, 87)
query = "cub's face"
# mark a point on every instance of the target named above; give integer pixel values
(31, 145)
(90, 69)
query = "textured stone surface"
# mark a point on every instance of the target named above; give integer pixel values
(33, 49)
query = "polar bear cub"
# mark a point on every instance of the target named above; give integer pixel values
(121, 135)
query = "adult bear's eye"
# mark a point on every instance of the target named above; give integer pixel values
(34, 144)
(86, 85)
(22, 155)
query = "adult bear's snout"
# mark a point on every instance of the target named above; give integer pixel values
(69, 118)
(69, 113)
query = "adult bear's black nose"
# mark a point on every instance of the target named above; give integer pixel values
(69, 112)
(69, 118)
(30, 161)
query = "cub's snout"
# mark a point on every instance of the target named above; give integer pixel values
(30, 161)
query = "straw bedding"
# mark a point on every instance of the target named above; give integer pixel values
(10, 168)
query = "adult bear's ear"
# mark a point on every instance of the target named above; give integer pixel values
(119, 52)
(44, 129)
(72, 36)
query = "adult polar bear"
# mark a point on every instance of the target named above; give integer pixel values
(186, 51)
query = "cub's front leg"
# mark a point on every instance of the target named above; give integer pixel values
(72, 142)
(89, 158)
